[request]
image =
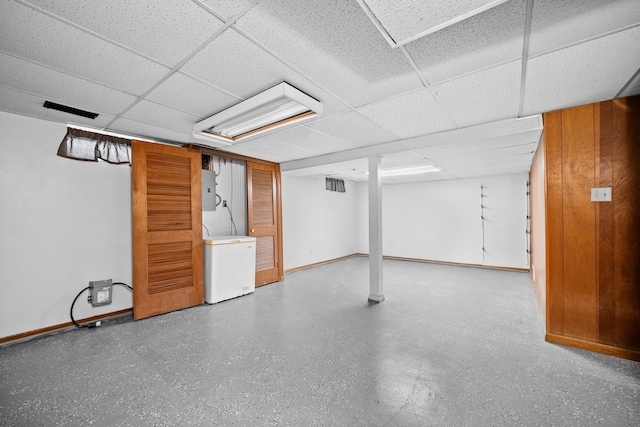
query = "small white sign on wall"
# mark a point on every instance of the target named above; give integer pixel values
(601, 194)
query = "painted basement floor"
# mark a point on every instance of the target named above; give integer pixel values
(451, 346)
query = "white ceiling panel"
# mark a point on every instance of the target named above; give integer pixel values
(21, 30)
(191, 96)
(352, 170)
(482, 41)
(486, 96)
(404, 179)
(273, 147)
(335, 44)
(492, 170)
(29, 105)
(486, 154)
(400, 160)
(582, 74)
(231, 56)
(245, 150)
(353, 127)
(356, 166)
(410, 114)
(161, 116)
(302, 173)
(452, 165)
(59, 87)
(405, 20)
(304, 137)
(557, 24)
(135, 24)
(229, 8)
(149, 131)
(474, 146)
(489, 172)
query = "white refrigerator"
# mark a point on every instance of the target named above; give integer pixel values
(229, 267)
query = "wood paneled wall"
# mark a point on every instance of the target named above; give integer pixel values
(592, 249)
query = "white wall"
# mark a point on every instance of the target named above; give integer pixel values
(318, 225)
(232, 187)
(63, 223)
(440, 221)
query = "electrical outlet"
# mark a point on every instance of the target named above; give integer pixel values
(100, 292)
(224, 203)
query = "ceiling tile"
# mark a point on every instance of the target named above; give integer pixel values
(480, 145)
(149, 131)
(407, 19)
(557, 24)
(21, 34)
(493, 170)
(482, 41)
(472, 155)
(485, 96)
(60, 87)
(251, 151)
(135, 24)
(352, 170)
(453, 164)
(231, 55)
(163, 117)
(308, 139)
(425, 177)
(335, 44)
(302, 173)
(410, 114)
(229, 8)
(353, 128)
(25, 104)
(404, 159)
(273, 147)
(191, 96)
(581, 74)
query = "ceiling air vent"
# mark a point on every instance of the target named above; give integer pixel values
(70, 110)
(279, 106)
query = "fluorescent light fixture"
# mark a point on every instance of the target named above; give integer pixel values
(409, 171)
(281, 105)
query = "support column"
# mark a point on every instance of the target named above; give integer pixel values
(376, 294)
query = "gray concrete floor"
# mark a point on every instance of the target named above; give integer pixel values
(450, 346)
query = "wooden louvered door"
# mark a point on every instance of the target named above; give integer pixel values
(263, 217)
(167, 233)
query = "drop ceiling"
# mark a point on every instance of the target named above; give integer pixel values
(460, 85)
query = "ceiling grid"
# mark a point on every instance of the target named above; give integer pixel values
(460, 82)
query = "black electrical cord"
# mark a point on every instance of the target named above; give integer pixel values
(124, 284)
(90, 325)
(71, 310)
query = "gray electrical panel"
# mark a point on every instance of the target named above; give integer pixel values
(100, 292)
(208, 190)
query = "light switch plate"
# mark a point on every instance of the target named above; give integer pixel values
(601, 194)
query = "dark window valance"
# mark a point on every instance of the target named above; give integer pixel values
(333, 184)
(90, 146)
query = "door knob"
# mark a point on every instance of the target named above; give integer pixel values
(253, 230)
